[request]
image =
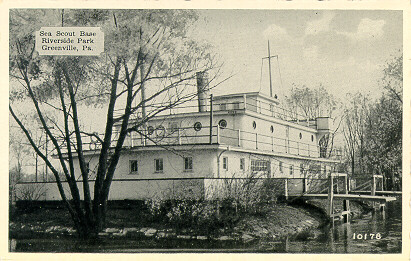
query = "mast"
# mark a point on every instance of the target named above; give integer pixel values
(143, 93)
(269, 68)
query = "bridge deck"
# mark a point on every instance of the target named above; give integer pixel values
(396, 193)
(381, 199)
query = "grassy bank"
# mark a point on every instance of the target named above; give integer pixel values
(186, 219)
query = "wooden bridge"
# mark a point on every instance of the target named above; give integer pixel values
(371, 196)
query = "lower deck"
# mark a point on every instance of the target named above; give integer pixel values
(193, 188)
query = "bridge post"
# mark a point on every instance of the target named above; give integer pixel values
(373, 186)
(286, 188)
(373, 189)
(305, 185)
(346, 203)
(330, 195)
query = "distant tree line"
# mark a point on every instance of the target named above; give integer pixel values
(371, 128)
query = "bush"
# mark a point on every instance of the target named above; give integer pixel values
(236, 198)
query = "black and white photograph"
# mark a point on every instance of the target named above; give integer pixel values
(271, 131)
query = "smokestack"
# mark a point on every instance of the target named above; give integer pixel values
(202, 92)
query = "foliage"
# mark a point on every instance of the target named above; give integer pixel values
(305, 102)
(393, 78)
(384, 145)
(373, 129)
(356, 114)
(30, 192)
(148, 66)
(225, 205)
(311, 102)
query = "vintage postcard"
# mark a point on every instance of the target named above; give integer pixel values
(231, 128)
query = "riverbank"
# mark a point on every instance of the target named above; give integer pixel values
(298, 220)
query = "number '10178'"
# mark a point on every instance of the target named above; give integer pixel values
(366, 236)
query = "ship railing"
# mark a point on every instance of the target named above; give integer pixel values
(279, 112)
(257, 141)
(231, 104)
(162, 136)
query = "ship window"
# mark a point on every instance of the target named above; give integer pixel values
(197, 126)
(291, 170)
(223, 124)
(272, 129)
(133, 166)
(315, 168)
(242, 164)
(225, 163)
(188, 163)
(280, 166)
(260, 165)
(223, 106)
(254, 125)
(312, 137)
(236, 105)
(302, 168)
(158, 165)
(301, 135)
(150, 130)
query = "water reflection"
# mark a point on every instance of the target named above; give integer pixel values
(338, 238)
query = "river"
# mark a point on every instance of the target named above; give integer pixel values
(374, 232)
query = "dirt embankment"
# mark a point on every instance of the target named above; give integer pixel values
(281, 220)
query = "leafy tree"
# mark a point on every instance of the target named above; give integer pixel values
(148, 67)
(393, 78)
(384, 127)
(384, 141)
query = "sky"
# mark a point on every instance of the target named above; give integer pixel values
(344, 50)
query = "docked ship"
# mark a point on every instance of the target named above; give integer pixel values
(195, 152)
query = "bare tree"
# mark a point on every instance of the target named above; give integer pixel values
(311, 102)
(373, 128)
(142, 48)
(355, 118)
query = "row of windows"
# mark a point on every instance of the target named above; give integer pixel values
(265, 165)
(159, 165)
(256, 165)
(223, 124)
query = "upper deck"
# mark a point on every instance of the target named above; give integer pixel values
(246, 120)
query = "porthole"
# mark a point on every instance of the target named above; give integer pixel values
(160, 131)
(197, 126)
(301, 135)
(312, 138)
(223, 124)
(150, 130)
(173, 127)
(272, 129)
(254, 125)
